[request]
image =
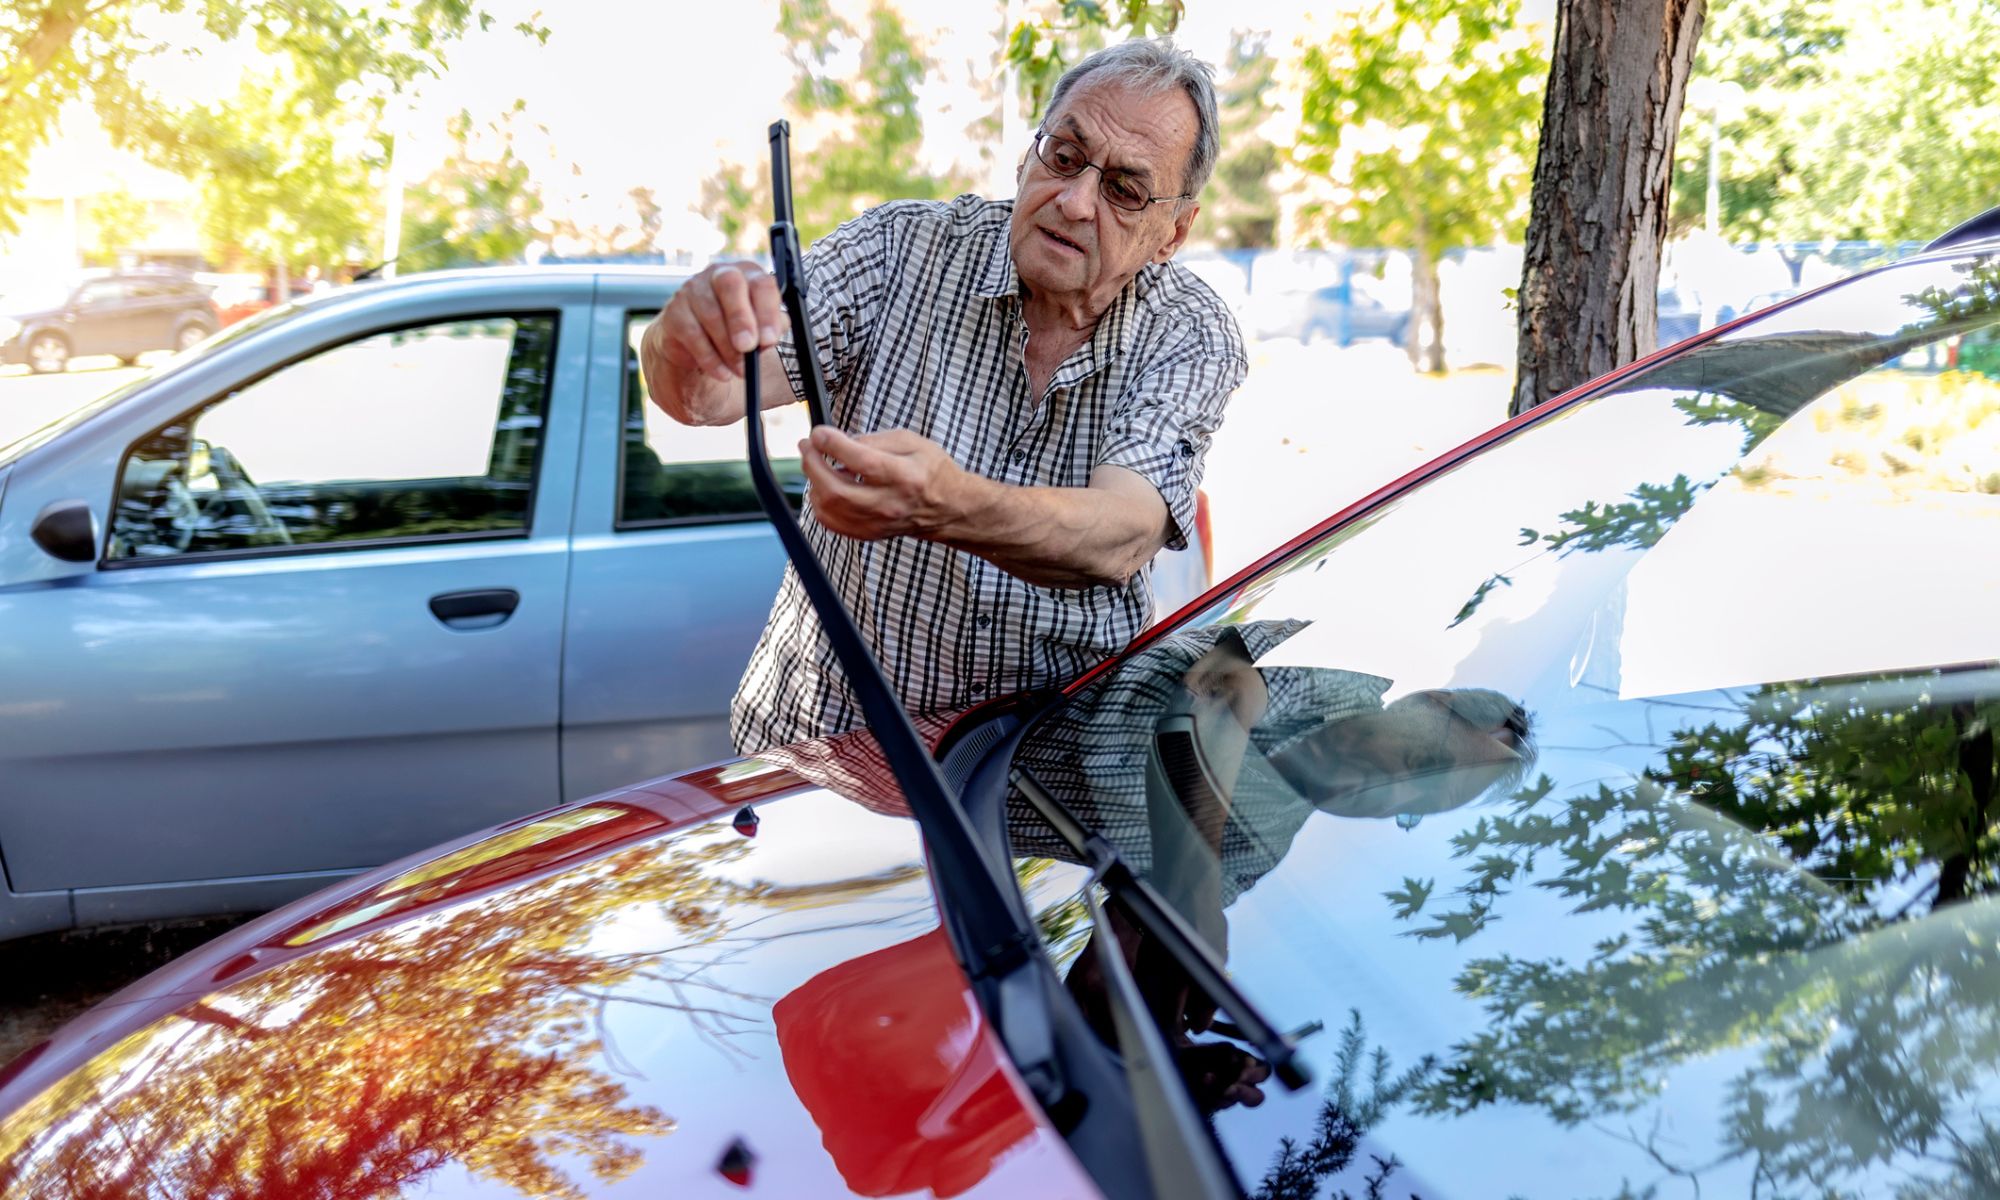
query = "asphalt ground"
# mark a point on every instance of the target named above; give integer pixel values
(47, 980)
(1294, 449)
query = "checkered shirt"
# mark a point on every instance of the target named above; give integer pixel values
(1092, 753)
(915, 312)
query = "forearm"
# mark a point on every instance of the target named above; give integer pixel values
(1054, 536)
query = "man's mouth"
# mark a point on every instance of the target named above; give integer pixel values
(1060, 240)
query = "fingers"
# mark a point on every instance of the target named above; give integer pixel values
(747, 303)
(865, 456)
(719, 316)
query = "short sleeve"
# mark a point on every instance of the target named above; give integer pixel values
(846, 277)
(1161, 424)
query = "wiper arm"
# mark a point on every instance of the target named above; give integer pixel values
(998, 937)
(1159, 919)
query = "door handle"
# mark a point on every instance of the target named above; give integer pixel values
(483, 608)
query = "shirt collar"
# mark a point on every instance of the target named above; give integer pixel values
(997, 280)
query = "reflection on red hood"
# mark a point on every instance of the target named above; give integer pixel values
(889, 1054)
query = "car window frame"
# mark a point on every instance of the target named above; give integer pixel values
(193, 412)
(628, 370)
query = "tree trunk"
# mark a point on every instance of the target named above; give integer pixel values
(1598, 219)
(1425, 336)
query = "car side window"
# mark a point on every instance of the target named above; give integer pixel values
(101, 293)
(412, 434)
(671, 474)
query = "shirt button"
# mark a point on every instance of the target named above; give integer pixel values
(976, 691)
(983, 621)
(1020, 456)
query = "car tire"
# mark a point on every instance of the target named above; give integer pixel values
(189, 334)
(48, 353)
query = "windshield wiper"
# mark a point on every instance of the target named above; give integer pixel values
(996, 938)
(1196, 959)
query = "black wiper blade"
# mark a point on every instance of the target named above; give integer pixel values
(786, 266)
(999, 939)
(1181, 1159)
(1159, 919)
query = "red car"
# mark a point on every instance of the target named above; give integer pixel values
(1607, 808)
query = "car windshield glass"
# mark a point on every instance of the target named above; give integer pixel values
(1618, 804)
(179, 362)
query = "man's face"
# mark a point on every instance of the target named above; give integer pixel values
(1426, 753)
(1069, 242)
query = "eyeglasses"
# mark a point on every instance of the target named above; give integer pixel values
(1122, 189)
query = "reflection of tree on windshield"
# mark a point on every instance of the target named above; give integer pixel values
(1792, 875)
(1758, 382)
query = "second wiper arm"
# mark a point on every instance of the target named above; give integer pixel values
(1158, 918)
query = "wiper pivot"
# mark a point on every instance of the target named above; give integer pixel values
(1159, 919)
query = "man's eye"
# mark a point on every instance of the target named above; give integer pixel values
(1068, 158)
(1124, 190)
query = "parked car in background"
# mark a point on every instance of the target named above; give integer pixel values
(124, 314)
(239, 296)
(392, 563)
(1606, 808)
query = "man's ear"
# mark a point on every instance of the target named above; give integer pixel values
(1183, 222)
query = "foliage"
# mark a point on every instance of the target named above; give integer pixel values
(1771, 871)
(1422, 115)
(1868, 119)
(1346, 1115)
(119, 220)
(1240, 209)
(1045, 44)
(278, 183)
(856, 142)
(56, 51)
(477, 207)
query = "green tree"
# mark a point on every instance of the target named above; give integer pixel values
(289, 191)
(1862, 120)
(118, 220)
(857, 140)
(1048, 41)
(478, 206)
(56, 51)
(1421, 113)
(1240, 210)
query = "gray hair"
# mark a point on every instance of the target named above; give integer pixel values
(1150, 66)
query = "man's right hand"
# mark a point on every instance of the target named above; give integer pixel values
(692, 353)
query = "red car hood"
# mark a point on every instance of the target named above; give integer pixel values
(632, 996)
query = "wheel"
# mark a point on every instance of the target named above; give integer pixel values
(48, 353)
(190, 334)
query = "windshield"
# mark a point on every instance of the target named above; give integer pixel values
(41, 435)
(1614, 813)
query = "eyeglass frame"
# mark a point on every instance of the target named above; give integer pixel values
(1042, 135)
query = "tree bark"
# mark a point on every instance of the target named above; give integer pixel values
(1598, 219)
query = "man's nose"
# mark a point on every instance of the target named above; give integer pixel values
(1078, 200)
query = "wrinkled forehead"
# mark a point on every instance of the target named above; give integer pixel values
(1143, 131)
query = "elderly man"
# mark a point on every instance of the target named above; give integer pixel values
(1020, 398)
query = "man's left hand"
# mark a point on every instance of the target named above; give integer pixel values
(896, 483)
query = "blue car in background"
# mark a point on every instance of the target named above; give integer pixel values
(356, 576)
